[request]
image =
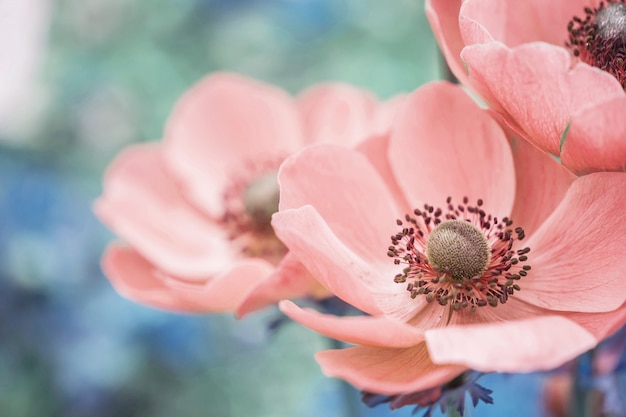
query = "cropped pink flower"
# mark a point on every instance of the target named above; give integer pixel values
(464, 251)
(529, 62)
(194, 210)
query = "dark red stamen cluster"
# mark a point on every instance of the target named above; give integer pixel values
(251, 232)
(599, 38)
(499, 279)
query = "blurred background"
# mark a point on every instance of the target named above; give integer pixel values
(81, 79)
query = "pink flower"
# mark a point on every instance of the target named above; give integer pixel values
(567, 100)
(194, 210)
(444, 295)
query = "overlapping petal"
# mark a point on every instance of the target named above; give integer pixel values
(444, 145)
(577, 255)
(136, 278)
(220, 125)
(142, 204)
(386, 370)
(518, 64)
(513, 346)
(337, 113)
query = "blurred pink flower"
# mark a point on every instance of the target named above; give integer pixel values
(445, 295)
(567, 100)
(195, 210)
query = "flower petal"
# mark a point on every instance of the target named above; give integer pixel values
(386, 371)
(541, 185)
(376, 150)
(222, 124)
(289, 280)
(517, 22)
(537, 100)
(143, 205)
(601, 325)
(514, 346)
(443, 16)
(445, 145)
(332, 263)
(577, 256)
(596, 140)
(137, 279)
(347, 192)
(337, 113)
(363, 330)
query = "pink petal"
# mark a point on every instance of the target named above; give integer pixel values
(577, 256)
(289, 280)
(596, 140)
(137, 279)
(515, 346)
(337, 267)
(386, 371)
(364, 330)
(517, 22)
(537, 99)
(541, 185)
(143, 205)
(443, 16)
(337, 113)
(347, 192)
(376, 150)
(387, 112)
(445, 145)
(222, 125)
(601, 325)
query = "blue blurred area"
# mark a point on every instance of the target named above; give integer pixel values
(112, 70)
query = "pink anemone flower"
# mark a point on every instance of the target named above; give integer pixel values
(463, 250)
(553, 71)
(194, 210)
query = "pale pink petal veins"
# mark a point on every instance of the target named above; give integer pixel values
(514, 346)
(387, 370)
(337, 113)
(362, 330)
(223, 124)
(537, 100)
(137, 279)
(443, 16)
(142, 204)
(517, 22)
(330, 261)
(541, 185)
(289, 280)
(577, 255)
(444, 145)
(596, 140)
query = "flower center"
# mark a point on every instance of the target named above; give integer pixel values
(459, 249)
(260, 199)
(599, 39)
(462, 256)
(249, 203)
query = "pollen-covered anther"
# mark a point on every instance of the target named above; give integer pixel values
(459, 249)
(461, 256)
(599, 38)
